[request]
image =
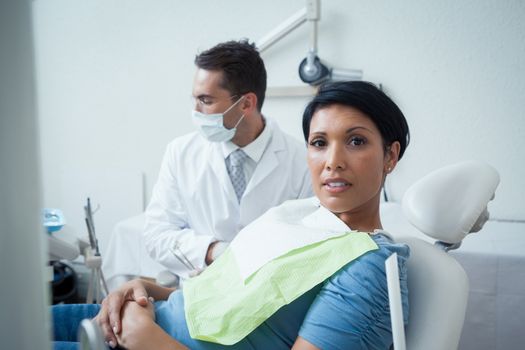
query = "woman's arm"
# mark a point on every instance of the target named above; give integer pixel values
(154, 290)
(302, 344)
(139, 330)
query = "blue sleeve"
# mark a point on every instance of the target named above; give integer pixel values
(351, 311)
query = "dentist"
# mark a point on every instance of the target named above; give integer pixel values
(238, 164)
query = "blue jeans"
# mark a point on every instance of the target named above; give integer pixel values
(66, 320)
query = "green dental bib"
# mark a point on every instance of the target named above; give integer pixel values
(222, 308)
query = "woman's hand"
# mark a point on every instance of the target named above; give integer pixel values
(140, 332)
(109, 315)
(138, 325)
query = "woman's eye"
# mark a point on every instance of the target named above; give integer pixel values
(357, 141)
(317, 143)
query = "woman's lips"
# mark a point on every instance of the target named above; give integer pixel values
(336, 185)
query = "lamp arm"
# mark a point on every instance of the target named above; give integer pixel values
(282, 30)
(346, 74)
(310, 13)
(313, 15)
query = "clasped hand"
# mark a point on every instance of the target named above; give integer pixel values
(132, 297)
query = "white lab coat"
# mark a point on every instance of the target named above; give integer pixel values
(194, 203)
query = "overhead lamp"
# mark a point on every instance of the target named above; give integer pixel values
(311, 70)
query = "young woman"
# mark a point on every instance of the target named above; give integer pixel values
(317, 281)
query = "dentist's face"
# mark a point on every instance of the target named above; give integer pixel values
(210, 97)
(347, 163)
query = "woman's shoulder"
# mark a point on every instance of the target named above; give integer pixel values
(369, 269)
(388, 246)
(352, 306)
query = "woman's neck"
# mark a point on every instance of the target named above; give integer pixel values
(363, 222)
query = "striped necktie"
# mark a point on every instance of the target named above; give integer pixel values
(234, 164)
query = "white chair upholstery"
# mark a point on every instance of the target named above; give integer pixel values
(446, 204)
(451, 202)
(438, 295)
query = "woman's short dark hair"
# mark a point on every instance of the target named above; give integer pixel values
(242, 66)
(368, 99)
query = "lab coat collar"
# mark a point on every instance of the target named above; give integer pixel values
(267, 164)
(269, 161)
(254, 150)
(219, 169)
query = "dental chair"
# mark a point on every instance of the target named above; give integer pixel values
(444, 206)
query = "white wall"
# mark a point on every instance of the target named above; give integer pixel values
(114, 84)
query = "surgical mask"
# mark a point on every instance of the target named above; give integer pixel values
(211, 126)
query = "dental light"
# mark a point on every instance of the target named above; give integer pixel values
(311, 69)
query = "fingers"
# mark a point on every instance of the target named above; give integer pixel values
(140, 295)
(103, 322)
(109, 317)
(151, 307)
(114, 305)
(133, 291)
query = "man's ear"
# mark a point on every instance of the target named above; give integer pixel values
(249, 104)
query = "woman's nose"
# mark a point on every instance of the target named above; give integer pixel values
(335, 158)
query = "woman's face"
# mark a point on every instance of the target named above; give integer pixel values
(348, 164)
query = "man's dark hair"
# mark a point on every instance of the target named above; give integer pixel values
(242, 67)
(368, 99)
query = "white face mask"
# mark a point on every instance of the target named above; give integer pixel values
(211, 126)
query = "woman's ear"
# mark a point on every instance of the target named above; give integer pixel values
(392, 156)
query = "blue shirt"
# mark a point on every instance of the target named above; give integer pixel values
(352, 310)
(348, 311)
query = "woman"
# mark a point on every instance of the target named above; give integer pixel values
(355, 136)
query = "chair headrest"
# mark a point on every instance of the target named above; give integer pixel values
(451, 202)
